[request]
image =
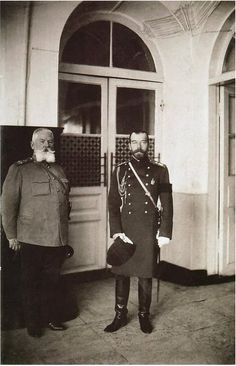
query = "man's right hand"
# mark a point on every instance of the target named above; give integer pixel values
(123, 237)
(14, 244)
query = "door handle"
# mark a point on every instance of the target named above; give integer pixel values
(103, 167)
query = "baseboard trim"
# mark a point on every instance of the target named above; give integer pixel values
(183, 276)
(166, 272)
(87, 276)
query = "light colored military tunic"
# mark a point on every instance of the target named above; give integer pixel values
(131, 212)
(35, 204)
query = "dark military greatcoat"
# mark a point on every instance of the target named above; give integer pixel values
(132, 212)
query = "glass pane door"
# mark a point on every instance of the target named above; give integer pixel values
(83, 114)
(133, 106)
(80, 113)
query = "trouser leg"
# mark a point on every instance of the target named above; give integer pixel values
(145, 297)
(122, 288)
(50, 281)
(31, 258)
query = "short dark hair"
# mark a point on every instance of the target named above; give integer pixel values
(138, 132)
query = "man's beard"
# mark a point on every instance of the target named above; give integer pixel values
(139, 154)
(42, 155)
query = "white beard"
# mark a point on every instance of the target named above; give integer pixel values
(48, 156)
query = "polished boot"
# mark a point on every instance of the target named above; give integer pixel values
(145, 296)
(56, 326)
(122, 295)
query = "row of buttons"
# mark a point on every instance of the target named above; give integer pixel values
(131, 212)
(129, 194)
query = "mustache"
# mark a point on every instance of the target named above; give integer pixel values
(47, 155)
(46, 149)
(138, 150)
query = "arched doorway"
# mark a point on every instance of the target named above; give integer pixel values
(108, 86)
(221, 255)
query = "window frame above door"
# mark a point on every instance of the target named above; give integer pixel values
(109, 72)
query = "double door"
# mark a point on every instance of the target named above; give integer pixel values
(98, 115)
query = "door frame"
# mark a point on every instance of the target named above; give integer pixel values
(226, 267)
(214, 204)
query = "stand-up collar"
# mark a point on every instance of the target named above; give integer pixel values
(140, 162)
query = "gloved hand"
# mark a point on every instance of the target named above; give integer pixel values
(14, 244)
(123, 237)
(162, 240)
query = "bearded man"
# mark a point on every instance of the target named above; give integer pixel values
(134, 218)
(35, 205)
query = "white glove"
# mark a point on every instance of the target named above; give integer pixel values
(14, 244)
(123, 237)
(162, 240)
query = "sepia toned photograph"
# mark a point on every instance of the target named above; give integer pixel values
(117, 133)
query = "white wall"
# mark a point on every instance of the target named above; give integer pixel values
(14, 30)
(48, 19)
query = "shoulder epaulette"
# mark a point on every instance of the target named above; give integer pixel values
(158, 163)
(25, 161)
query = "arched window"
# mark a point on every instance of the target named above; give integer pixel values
(107, 88)
(229, 61)
(110, 44)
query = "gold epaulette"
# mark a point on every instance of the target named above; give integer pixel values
(25, 161)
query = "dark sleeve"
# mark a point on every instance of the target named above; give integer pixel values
(114, 204)
(167, 205)
(11, 193)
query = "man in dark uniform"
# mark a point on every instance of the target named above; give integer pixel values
(35, 203)
(134, 219)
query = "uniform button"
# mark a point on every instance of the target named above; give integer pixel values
(147, 175)
(148, 167)
(129, 204)
(146, 184)
(128, 168)
(145, 212)
(146, 202)
(129, 185)
(128, 194)
(129, 212)
(128, 176)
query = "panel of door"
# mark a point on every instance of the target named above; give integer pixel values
(227, 181)
(133, 105)
(83, 113)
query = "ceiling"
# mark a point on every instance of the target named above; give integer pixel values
(160, 18)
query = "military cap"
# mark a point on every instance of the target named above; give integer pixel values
(120, 252)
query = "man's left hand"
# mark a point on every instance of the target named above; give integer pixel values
(162, 240)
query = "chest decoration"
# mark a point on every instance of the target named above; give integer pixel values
(153, 181)
(122, 187)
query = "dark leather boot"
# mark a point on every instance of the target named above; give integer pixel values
(145, 296)
(122, 295)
